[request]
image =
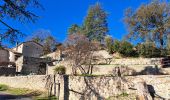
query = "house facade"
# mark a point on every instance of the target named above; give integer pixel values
(29, 49)
(25, 57)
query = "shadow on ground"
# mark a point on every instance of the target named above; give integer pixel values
(4, 96)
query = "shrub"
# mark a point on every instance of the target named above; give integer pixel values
(116, 46)
(149, 49)
(60, 70)
(125, 48)
(109, 43)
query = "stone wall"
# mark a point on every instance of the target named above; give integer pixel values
(95, 88)
(28, 65)
(7, 71)
(34, 82)
(136, 64)
(90, 88)
(137, 61)
(4, 55)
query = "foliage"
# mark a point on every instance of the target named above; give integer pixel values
(149, 22)
(124, 48)
(148, 50)
(95, 24)
(116, 45)
(60, 70)
(3, 87)
(74, 29)
(168, 45)
(16, 10)
(109, 43)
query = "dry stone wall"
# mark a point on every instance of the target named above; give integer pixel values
(34, 82)
(137, 61)
(136, 64)
(91, 88)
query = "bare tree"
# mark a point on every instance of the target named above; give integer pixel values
(80, 51)
(45, 38)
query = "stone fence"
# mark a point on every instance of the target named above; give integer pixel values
(89, 88)
(137, 61)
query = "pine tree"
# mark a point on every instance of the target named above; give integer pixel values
(95, 25)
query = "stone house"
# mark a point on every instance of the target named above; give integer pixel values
(4, 55)
(29, 49)
(25, 57)
(7, 67)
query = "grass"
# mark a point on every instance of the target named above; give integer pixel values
(123, 96)
(3, 87)
(36, 95)
(45, 98)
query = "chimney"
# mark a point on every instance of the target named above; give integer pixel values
(17, 46)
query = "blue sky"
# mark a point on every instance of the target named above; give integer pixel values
(60, 14)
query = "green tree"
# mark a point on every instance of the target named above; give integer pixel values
(148, 49)
(168, 44)
(17, 10)
(126, 49)
(109, 44)
(116, 45)
(95, 24)
(149, 22)
(74, 29)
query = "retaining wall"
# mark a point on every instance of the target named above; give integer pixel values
(90, 88)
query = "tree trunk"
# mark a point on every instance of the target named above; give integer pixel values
(142, 91)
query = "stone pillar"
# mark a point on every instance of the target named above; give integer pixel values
(142, 90)
(63, 88)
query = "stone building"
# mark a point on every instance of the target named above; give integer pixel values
(29, 49)
(4, 55)
(7, 67)
(25, 57)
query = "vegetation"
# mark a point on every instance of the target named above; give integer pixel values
(125, 48)
(149, 22)
(46, 98)
(3, 87)
(74, 29)
(148, 49)
(45, 38)
(60, 70)
(80, 51)
(95, 26)
(123, 96)
(36, 95)
(20, 10)
(109, 44)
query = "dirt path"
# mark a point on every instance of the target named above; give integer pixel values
(6, 96)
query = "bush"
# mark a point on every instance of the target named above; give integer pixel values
(60, 70)
(125, 48)
(109, 43)
(149, 49)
